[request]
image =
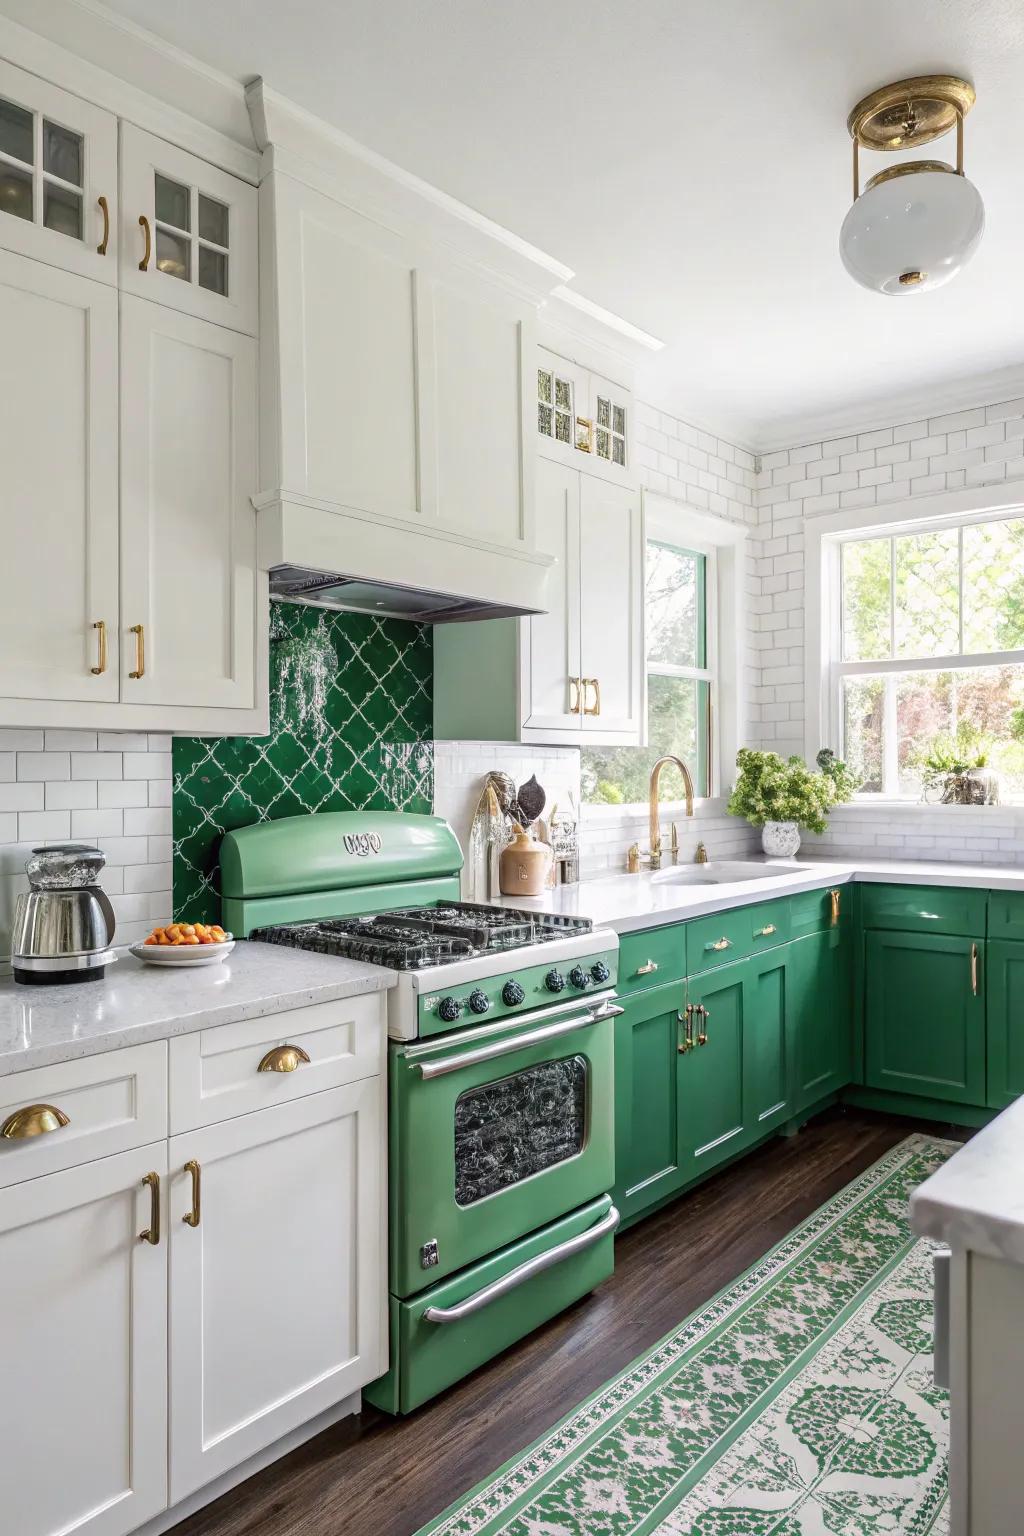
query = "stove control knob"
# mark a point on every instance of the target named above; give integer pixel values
(578, 977)
(512, 994)
(479, 1002)
(554, 981)
(449, 1009)
(600, 972)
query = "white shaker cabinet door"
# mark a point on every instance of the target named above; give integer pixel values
(188, 528)
(188, 233)
(611, 623)
(277, 1281)
(58, 484)
(83, 1339)
(58, 176)
(550, 642)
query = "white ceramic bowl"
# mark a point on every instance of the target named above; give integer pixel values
(183, 954)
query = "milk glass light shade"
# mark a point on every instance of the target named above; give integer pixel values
(912, 230)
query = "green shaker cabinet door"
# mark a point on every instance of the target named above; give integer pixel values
(647, 1037)
(712, 1082)
(768, 1043)
(924, 1026)
(1005, 960)
(820, 999)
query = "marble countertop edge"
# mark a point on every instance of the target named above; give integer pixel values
(976, 1200)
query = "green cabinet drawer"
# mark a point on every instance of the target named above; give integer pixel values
(924, 908)
(1006, 914)
(814, 911)
(650, 958)
(734, 934)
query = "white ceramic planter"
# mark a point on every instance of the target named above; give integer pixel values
(780, 839)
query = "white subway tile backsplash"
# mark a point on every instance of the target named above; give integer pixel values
(42, 766)
(22, 797)
(96, 765)
(147, 765)
(69, 795)
(124, 792)
(96, 825)
(21, 741)
(43, 824)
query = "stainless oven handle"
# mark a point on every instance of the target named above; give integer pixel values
(512, 1043)
(524, 1272)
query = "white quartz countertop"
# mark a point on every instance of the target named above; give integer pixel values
(976, 1200)
(629, 903)
(136, 1003)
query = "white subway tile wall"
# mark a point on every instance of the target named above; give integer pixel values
(112, 789)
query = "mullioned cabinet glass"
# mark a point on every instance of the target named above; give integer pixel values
(820, 981)
(1005, 1006)
(647, 1076)
(924, 1018)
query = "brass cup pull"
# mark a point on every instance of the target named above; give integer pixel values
(833, 897)
(574, 695)
(101, 249)
(193, 1217)
(595, 683)
(152, 1232)
(145, 226)
(719, 944)
(283, 1058)
(101, 660)
(139, 632)
(33, 1120)
(765, 932)
(974, 969)
(647, 969)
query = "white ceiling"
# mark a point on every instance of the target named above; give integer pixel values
(689, 161)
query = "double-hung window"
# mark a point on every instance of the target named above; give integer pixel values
(926, 656)
(679, 582)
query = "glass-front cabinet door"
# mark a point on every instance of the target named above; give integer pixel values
(58, 176)
(188, 236)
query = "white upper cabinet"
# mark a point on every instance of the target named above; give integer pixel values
(58, 485)
(550, 642)
(611, 619)
(58, 176)
(188, 529)
(188, 233)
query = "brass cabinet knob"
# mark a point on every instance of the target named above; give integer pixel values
(33, 1120)
(283, 1058)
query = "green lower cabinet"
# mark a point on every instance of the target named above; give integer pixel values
(1004, 961)
(768, 1043)
(820, 983)
(713, 1109)
(647, 1037)
(924, 1015)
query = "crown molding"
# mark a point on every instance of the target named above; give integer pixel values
(83, 47)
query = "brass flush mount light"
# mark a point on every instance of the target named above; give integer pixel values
(916, 223)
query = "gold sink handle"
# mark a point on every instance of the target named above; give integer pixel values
(283, 1058)
(33, 1120)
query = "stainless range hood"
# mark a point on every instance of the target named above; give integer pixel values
(298, 584)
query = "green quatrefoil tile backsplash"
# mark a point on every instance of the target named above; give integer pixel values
(351, 722)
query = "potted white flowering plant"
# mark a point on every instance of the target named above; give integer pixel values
(781, 796)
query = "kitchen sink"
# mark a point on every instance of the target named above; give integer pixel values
(734, 872)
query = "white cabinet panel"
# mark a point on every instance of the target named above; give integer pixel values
(58, 159)
(278, 1294)
(479, 348)
(188, 233)
(188, 556)
(58, 472)
(550, 642)
(611, 591)
(83, 1416)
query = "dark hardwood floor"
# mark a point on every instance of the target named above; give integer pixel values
(375, 1476)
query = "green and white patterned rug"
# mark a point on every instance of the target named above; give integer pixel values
(798, 1402)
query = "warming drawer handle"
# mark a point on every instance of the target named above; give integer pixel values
(506, 1047)
(519, 1276)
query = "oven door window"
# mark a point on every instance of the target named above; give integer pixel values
(508, 1130)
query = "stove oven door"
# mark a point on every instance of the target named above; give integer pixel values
(495, 1132)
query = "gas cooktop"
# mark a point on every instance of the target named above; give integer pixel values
(415, 938)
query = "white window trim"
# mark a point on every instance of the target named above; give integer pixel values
(822, 638)
(669, 521)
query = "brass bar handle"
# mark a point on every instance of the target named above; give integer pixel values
(686, 1018)
(193, 1217)
(145, 226)
(152, 1232)
(765, 932)
(595, 683)
(647, 969)
(834, 899)
(33, 1120)
(974, 969)
(702, 1031)
(101, 249)
(283, 1058)
(574, 695)
(718, 945)
(101, 661)
(138, 630)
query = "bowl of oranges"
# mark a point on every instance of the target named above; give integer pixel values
(185, 944)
